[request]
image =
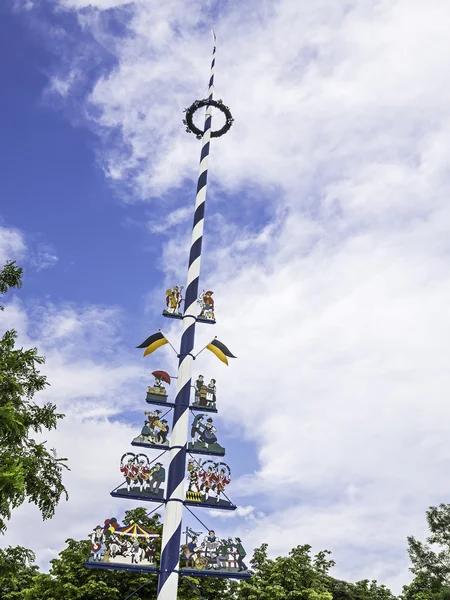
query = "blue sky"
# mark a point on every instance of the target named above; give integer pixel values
(325, 244)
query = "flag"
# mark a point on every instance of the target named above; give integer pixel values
(220, 350)
(153, 342)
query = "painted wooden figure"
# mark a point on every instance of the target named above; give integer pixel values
(157, 392)
(212, 554)
(174, 300)
(203, 437)
(123, 547)
(206, 302)
(154, 431)
(207, 483)
(143, 479)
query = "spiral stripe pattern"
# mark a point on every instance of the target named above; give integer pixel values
(171, 538)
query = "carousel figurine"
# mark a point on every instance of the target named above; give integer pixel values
(124, 546)
(207, 483)
(98, 540)
(206, 307)
(157, 392)
(173, 302)
(154, 432)
(205, 395)
(203, 437)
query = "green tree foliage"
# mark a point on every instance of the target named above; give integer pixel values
(431, 560)
(28, 471)
(70, 579)
(297, 576)
(17, 572)
(294, 577)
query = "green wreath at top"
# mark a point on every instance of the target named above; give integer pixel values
(189, 120)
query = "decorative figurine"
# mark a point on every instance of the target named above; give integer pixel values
(154, 432)
(205, 395)
(206, 306)
(207, 482)
(203, 437)
(142, 479)
(212, 554)
(129, 545)
(157, 393)
(173, 302)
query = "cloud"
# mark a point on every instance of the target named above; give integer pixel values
(326, 244)
(26, 249)
(44, 257)
(173, 218)
(94, 390)
(12, 244)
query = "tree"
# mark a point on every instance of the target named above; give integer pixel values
(431, 566)
(28, 471)
(71, 580)
(17, 571)
(293, 577)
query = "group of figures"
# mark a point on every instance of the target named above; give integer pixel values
(203, 437)
(154, 432)
(132, 544)
(213, 553)
(205, 395)
(142, 477)
(174, 299)
(207, 482)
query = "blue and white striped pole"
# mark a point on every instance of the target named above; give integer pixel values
(171, 536)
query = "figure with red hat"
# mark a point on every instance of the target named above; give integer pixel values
(206, 305)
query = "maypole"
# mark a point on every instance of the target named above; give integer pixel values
(170, 546)
(133, 547)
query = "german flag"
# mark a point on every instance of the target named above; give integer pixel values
(153, 342)
(220, 350)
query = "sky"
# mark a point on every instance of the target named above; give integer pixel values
(326, 244)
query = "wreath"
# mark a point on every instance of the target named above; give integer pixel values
(189, 120)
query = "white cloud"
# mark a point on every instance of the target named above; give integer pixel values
(173, 218)
(336, 308)
(12, 244)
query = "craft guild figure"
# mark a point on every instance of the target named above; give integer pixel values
(193, 474)
(158, 476)
(143, 472)
(211, 394)
(212, 546)
(154, 432)
(174, 300)
(203, 437)
(241, 554)
(130, 470)
(191, 548)
(157, 392)
(223, 478)
(206, 306)
(98, 540)
(213, 553)
(207, 482)
(141, 476)
(205, 395)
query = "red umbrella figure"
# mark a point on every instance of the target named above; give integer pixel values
(162, 376)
